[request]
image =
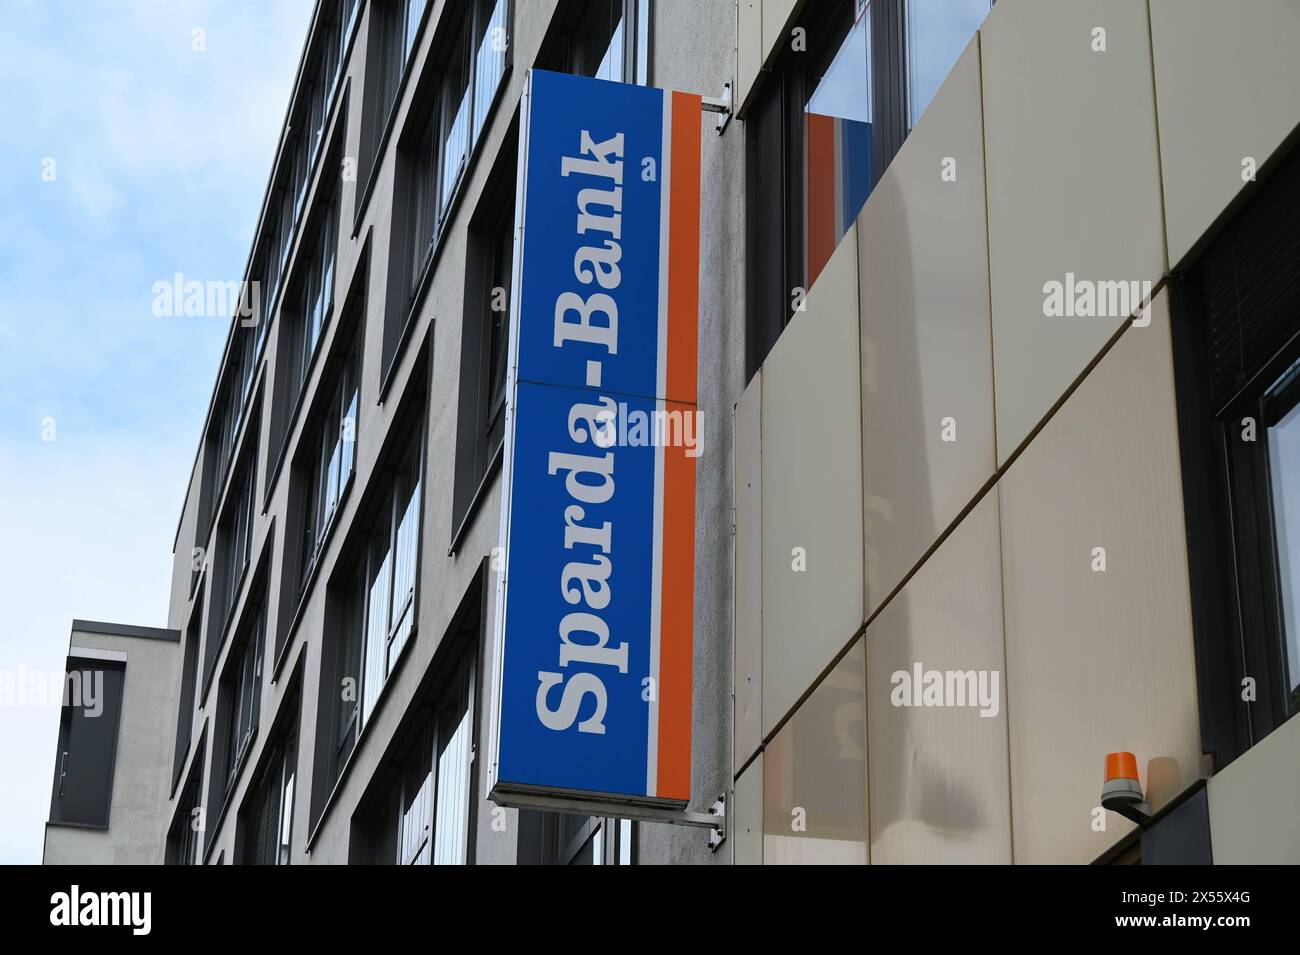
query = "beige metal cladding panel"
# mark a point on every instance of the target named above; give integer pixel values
(927, 353)
(749, 46)
(1073, 186)
(747, 815)
(815, 775)
(1226, 81)
(1098, 661)
(776, 14)
(812, 488)
(748, 655)
(939, 774)
(1253, 818)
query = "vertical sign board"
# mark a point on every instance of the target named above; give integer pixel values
(595, 599)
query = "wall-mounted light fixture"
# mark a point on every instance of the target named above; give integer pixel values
(1122, 792)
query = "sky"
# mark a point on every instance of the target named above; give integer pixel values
(136, 138)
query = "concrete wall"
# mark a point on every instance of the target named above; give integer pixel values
(142, 767)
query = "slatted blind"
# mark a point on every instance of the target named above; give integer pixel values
(1251, 290)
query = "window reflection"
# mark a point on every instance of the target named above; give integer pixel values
(815, 774)
(937, 33)
(1284, 463)
(837, 145)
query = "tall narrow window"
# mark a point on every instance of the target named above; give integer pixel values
(88, 724)
(314, 306)
(1282, 405)
(183, 841)
(236, 546)
(454, 108)
(377, 604)
(396, 28)
(243, 698)
(331, 464)
(189, 678)
(419, 810)
(485, 335)
(472, 55)
(269, 817)
(490, 46)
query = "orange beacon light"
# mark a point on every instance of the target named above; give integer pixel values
(1121, 791)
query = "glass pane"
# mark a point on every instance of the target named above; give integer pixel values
(451, 828)
(837, 147)
(489, 61)
(348, 426)
(423, 200)
(453, 152)
(937, 33)
(1284, 462)
(376, 629)
(416, 820)
(407, 534)
(611, 64)
(286, 810)
(625, 842)
(414, 9)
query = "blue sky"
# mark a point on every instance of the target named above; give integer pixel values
(160, 157)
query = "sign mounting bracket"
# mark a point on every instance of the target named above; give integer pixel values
(720, 105)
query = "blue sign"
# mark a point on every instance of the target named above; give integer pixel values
(595, 593)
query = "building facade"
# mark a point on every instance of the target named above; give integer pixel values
(977, 504)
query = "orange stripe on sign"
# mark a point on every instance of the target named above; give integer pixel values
(677, 616)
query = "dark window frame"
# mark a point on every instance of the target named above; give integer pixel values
(485, 339)
(1237, 613)
(184, 841)
(453, 676)
(67, 762)
(344, 638)
(425, 202)
(776, 232)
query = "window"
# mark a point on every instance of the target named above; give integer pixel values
(485, 333)
(428, 804)
(471, 58)
(1237, 370)
(187, 827)
(555, 838)
(395, 27)
(232, 405)
(189, 677)
(1282, 417)
(330, 464)
(937, 33)
(376, 604)
(241, 699)
(314, 304)
(83, 776)
(268, 820)
(235, 542)
(822, 129)
(605, 39)
(418, 808)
